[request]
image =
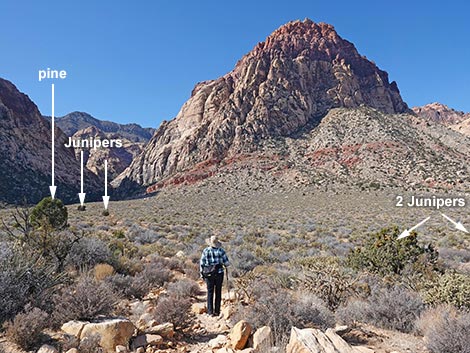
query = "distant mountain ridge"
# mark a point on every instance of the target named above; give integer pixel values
(25, 154)
(75, 121)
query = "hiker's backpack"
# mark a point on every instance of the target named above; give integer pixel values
(210, 271)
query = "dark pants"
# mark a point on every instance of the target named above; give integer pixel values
(214, 286)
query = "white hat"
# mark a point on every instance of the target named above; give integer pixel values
(213, 241)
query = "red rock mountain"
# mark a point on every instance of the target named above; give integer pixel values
(281, 89)
(25, 153)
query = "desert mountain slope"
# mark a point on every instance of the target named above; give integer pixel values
(360, 147)
(463, 127)
(73, 122)
(25, 153)
(284, 86)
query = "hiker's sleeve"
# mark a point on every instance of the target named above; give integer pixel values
(203, 261)
(225, 259)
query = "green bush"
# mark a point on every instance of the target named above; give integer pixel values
(384, 254)
(449, 288)
(50, 212)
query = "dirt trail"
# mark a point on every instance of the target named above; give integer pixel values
(208, 330)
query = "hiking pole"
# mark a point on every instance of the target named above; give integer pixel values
(228, 285)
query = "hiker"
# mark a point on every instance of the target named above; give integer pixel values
(212, 264)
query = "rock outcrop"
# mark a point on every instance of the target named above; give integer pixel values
(316, 341)
(119, 158)
(284, 86)
(463, 127)
(441, 113)
(25, 154)
(112, 332)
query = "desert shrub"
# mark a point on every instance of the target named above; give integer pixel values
(129, 286)
(139, 285)
(174, 310)
(128, 265)
(157, 261)
(445, 329)
(49, 211)
(101, 271)
(191, 270)
(88, 252)
(392, 308)
(281, 309)
(353, 311)
(84, 300)
(383, 254)
(184, 288)
(26, 328)
(25, 278)
(156, 275)
(243, 261)
(327, 279)
(449, 288)
(311, 311)
(146, 237)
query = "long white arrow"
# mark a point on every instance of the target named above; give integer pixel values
(407, 232)
(458, 225)
(106, 197)
(53, 188)
(81, 195)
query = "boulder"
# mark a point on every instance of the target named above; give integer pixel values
(121, 349)
(262, 339)
(198, 308)
(113, 332)
(227, 312)
(47, 349)
(166, 330)
(74, 328)
(147, 340)
(316, 341)
(73, 350)
(240, 334)
(225, 350)
(218, 342)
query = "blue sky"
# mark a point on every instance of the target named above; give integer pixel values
(137, 61)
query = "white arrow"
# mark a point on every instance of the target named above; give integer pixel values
(407, 232)
(81, 195)
(53, 188)
(458, 225)
(106, 197)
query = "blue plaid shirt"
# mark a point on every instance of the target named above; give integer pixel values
(213, 256)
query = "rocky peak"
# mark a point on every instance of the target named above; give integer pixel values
(441, 113)
(283, 87)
